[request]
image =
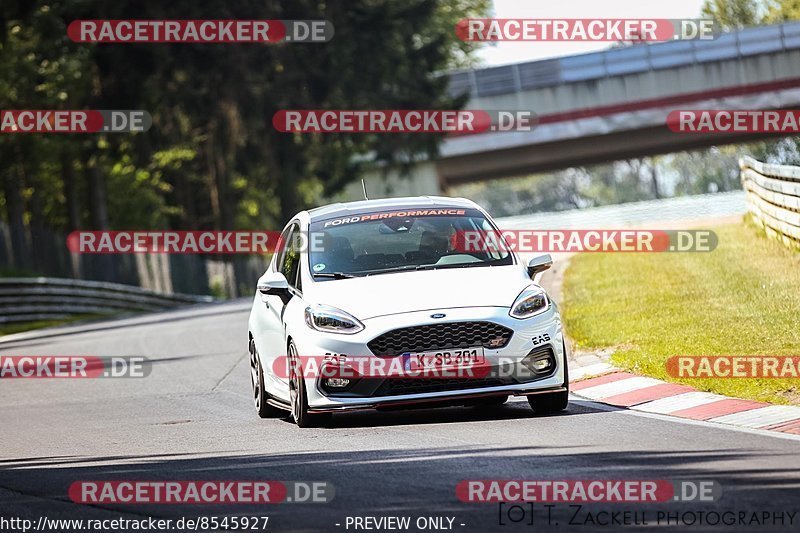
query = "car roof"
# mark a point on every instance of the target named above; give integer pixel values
(382, 204)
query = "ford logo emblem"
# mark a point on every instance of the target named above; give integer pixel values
(438, 315)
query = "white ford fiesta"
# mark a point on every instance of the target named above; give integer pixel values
(374, 305)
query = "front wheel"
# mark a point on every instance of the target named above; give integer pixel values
(298, 397)
(552, 402)
(260, 396)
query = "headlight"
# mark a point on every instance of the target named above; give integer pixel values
(332, 320)
(530, 302)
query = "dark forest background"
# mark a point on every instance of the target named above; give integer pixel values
(211, 159)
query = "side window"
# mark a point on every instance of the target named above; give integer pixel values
(290, 261)
(283, 246)
(298, 278)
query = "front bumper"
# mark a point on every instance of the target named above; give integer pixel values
(528, 334)
(429, 400)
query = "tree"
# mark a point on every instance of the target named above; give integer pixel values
(782, 11)
(212, 158)
(732, 14)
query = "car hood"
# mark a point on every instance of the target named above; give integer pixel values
(401, 292)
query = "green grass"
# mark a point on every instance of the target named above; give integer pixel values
(8, 329)
(741, 299)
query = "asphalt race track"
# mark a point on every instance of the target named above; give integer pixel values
(192, 418)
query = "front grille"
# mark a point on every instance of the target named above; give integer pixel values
(440, 336)
(395, 387)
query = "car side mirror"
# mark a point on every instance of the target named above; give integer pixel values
(539, 264)
(272, 283)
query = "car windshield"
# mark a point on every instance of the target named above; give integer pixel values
(397, 240)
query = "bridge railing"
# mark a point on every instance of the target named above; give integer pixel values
(773, 198)
(32, 299)
(625, 60)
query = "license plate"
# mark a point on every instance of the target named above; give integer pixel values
(455, 358)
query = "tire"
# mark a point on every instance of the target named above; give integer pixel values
(260, 396)
(553, 402)
(298, 397)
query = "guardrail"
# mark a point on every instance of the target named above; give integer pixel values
(31, 299)
(773, 198)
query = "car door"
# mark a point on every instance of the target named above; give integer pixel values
(272, 345)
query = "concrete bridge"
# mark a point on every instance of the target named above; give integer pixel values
(609, 105)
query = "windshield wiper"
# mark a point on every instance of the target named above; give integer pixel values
(333, 275)
(410, 268)
(452, 265)
(432, 266)
(391, 270)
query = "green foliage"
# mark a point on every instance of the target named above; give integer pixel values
(212, 159)
(733, 14)
(740, 13)
(782, 11)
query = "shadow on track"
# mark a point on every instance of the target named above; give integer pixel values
(411, 482)
(513, 410)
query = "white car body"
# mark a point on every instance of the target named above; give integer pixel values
(386, 302)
